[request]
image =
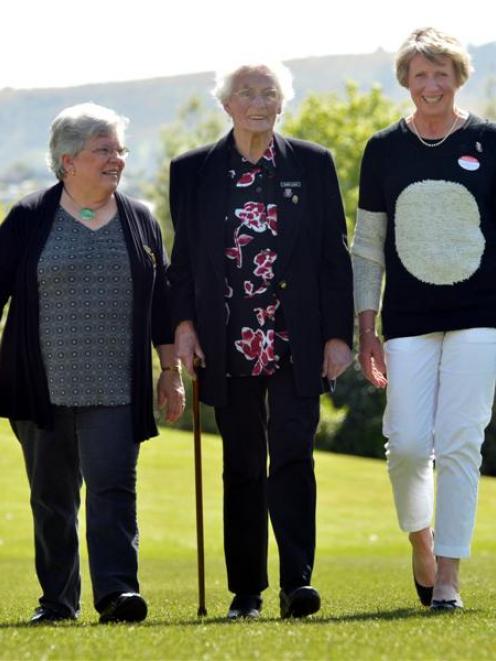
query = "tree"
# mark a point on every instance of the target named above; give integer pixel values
(343, 125)
(3, 213)
(192, 128)
(490, 99)
(352, 422)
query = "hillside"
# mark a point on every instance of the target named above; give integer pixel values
(25, 115)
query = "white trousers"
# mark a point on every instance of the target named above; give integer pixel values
(439, 399)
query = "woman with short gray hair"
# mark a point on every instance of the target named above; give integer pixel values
(426, 221)
(85, 270)
(75, 125)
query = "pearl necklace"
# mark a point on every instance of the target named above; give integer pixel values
(439, 142)
(86, 213)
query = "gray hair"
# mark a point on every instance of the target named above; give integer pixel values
(432, 44)
(75, 125)
(282, 76)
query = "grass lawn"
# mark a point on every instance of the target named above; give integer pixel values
(362, 569)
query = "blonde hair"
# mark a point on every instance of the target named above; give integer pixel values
(432, 44)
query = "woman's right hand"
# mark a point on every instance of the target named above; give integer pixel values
(187, 347)
(371, 358)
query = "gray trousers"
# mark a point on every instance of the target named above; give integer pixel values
(94, 444)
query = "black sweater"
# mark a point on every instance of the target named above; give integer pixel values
(439, 204)
(23, 384)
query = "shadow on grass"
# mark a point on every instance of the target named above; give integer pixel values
(395, 614)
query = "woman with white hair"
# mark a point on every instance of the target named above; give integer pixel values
(85, 272)
(262, 293)
(426, 218)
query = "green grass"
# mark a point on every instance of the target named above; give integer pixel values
(362, 570)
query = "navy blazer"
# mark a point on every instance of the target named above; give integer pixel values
(312, 273)
(23, 385)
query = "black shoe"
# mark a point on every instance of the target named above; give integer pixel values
(300, 602)
(125, 607)
(44, 615)
(447, 604)
(247, 606)
(424, 593)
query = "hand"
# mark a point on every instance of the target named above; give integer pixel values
(171, 395)
(371, 358)
(337, 357)
(188, 347)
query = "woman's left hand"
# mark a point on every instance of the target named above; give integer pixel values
(171, 396)
(337, 357)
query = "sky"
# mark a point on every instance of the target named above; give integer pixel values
(59, 43)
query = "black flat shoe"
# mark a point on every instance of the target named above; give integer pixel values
(44, 615)
(125, 607)
(424, 593)
(300, 602)
(447, 604)
(245, 606)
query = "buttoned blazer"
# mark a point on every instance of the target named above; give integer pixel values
(312, 273)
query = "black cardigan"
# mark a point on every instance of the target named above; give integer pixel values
(24, 391)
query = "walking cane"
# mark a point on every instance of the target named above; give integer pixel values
(202, 611)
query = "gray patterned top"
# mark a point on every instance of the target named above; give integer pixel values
(85, 293)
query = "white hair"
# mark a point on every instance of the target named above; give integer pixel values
(75, 125)
(282, 76)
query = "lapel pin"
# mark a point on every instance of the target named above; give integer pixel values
(478, 147)
(295, 199)
(287, 192)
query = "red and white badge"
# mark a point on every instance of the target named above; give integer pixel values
(469, 163)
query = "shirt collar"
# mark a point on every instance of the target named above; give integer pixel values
(266, 162)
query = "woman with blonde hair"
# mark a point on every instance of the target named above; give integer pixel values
(426, 221)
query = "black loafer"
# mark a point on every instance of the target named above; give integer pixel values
(125, 607)
(245, 606)
(300, 602)
(44, 615)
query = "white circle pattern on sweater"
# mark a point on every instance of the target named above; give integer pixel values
(438, 236)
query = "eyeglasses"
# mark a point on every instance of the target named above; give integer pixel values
(248, 95)
(109, 152)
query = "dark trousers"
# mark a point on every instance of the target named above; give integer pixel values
(94, 444)
(266, 413)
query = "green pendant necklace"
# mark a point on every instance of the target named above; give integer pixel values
(86, 213)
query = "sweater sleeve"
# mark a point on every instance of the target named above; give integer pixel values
(367, 283)
(370, 234)
(161, 318)
(336, 281)
(12, 245)
(180, 272)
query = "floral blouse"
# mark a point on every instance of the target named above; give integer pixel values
(256, 336)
